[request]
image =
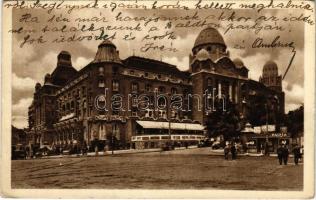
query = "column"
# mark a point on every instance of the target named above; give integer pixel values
(230, 89)
(236, 93)
(219, 89)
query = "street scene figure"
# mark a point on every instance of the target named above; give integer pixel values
(280, 154)
(233, 151)
(226, 151)
(285, 154)
(296, 153)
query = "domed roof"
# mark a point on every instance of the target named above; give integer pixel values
(37, 86)
(64, 52)
(107, 53)
(106, 43)
(47, 79)
(47, 76)
(270, 68)
(209, 35)
(238, 62)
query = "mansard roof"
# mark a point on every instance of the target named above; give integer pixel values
(152, 65)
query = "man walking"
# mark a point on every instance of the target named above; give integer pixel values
(285, 155)
(226, 151)
(280, 154)
(233, 151)
(297, 154)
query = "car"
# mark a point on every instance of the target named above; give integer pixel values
(216, 145)
(18, 152)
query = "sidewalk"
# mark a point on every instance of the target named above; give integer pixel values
(180, 150)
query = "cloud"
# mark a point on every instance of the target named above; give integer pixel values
(19, 83)
(254, 63)
(19, 122)
(20, 113)
(182, 64)
(294, 96)
(81, 62)
(21, 108)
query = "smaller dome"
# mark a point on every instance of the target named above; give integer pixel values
(47, 79)
(107, 53)
(64, 52)
(37, 86)
(238, 62)
(202, 55)
(270, 69)
(106, 43)
(47, 76)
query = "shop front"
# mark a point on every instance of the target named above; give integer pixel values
(267, 143)
(155, 134)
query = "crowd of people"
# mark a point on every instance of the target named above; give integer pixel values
(231, 149)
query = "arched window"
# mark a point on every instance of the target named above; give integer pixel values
(101, 71)
(101, 83)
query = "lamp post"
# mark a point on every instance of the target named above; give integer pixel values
(112, 142)
(267, 121)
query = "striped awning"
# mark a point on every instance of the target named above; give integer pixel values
(173, 126)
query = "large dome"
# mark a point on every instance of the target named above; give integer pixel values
(209, 35)
(270, 69)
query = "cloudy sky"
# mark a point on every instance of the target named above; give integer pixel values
(32, 62)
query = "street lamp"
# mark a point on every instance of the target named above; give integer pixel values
(112, 141)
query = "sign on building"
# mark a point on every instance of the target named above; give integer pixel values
(257, 129)
(271, 128)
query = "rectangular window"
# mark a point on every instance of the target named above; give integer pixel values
(115, 85)
(116, 131)
(83, 89)
(134, 87)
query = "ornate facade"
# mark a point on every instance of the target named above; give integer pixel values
(74, 105)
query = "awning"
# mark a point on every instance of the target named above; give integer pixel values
(173, 126)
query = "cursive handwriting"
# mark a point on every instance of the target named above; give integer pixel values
(275, 43)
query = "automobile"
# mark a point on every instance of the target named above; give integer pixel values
(216, 145)
(18, 152)
(44, 151)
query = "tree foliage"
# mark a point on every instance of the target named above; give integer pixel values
(224, 122)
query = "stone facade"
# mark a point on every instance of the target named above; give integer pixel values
(67, 107)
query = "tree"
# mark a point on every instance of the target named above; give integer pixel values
(294, 121)
(224, 122)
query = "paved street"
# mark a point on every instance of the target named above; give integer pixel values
(156, 170)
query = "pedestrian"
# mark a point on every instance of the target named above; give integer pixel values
(285, 155)
(266, 148)
(233, 150)
(280, 154)
(297, 153)
(226, 151)
(301, 153)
